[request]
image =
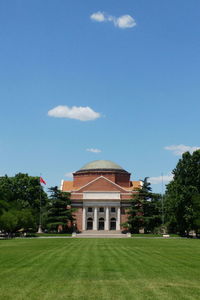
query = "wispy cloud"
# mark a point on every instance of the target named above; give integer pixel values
(160, 179)
(124, 21)
(94, 150)
(69, 174)
(74, 112)
(180, 149)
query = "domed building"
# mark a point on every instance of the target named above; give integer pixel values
(100, 191)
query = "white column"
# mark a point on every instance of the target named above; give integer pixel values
(83, 224)
(107, 219)
(118, 219)
(95, 219)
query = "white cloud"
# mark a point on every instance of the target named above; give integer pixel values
(124, 21)
(74, 112)
(160, 179)
(98, 16)
(69, 174)
(94, 150)
(180, 149)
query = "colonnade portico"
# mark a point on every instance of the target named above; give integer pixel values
(101, 213)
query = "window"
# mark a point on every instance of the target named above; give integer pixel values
(101, 209)
(113, 224)
(113, 209)
(89, 224)
(89, 209)
(101, 224)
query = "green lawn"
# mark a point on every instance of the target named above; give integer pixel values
(52, 234)
(100, 269)
(151, 235)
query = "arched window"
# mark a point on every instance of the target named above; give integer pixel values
(89, 224)
(113, 224)
(101, 224)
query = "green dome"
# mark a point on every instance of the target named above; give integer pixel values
(101, 165)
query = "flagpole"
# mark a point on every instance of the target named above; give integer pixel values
(40, 216)
(162, 207)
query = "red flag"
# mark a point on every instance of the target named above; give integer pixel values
(42, 180)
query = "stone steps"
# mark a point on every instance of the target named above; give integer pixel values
(101, 234)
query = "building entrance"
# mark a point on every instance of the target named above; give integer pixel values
(101, 224)
(113, 224)
(89, 224)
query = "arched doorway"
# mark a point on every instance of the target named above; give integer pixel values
(89, 224)
(113, 224)
(101, 224)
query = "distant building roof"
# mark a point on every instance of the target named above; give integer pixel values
(67, 186)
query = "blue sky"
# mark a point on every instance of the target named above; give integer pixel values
(130, 69)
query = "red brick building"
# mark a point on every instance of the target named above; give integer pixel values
(100, 192)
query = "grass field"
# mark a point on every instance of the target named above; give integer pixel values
(97, 269)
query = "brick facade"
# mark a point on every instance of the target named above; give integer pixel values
(78, 217)
(82, 178)
(110, 188)
(124, 215)
(101, 184)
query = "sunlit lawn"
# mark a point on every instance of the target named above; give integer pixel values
(100, 269)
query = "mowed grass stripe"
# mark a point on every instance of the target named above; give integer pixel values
(127, 273)
(38, 263)
(102, 273)
(158, 263)
(136, 276)
(99, 269)
(89, 279)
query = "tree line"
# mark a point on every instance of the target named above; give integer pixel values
(23, 201)
(178, 210)
(182, 197)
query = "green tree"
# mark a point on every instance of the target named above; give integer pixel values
(28, 191)
(13, 220)
(152, 209)
(196, 213)
(182, 198)
(59, 212)
(3, 206)
(6, 189)
(24, 190)
(8, 222)
(26, 220)
(21, 194)
(145, 209)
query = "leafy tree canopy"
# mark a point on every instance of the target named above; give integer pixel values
(22, 191)
(20, 201)
(182, 199)
(59, 212)
(145, 210)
